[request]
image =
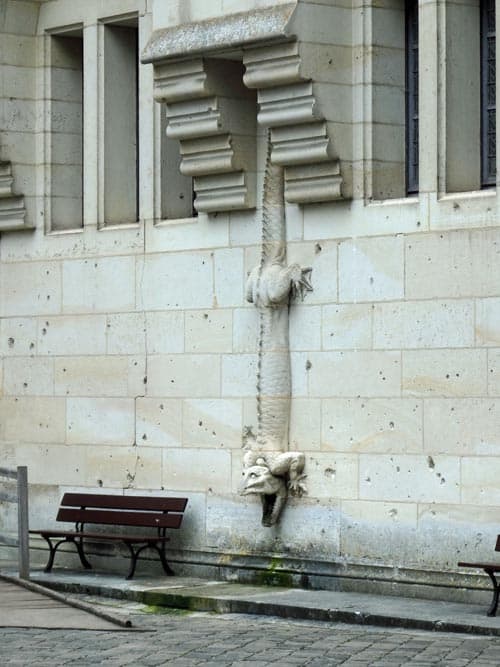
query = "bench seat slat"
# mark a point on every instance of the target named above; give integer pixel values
(482, 566)
(117, 517)
(107, 501)
(101, 536)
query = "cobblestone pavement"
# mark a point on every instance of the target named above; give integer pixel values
(189, 640)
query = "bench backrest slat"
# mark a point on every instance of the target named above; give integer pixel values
(120, 518)
(497, 546)
(107, 501)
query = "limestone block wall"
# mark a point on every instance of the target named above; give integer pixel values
(128, 360)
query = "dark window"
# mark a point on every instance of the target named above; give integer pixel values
(411, 21)
(488, 94)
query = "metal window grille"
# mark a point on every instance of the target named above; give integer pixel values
(488, 94)
(411, 21)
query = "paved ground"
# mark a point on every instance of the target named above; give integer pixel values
(237, 640)
(25, 608)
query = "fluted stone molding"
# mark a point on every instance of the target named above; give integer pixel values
(212, 114)
(289, 105)
(298, 94)
(12, 210)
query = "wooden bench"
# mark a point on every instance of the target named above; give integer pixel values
(103, 509)
(491, 569)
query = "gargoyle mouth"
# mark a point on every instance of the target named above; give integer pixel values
(269, 509)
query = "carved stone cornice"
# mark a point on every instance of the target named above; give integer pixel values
(12, 210)
(213, 121)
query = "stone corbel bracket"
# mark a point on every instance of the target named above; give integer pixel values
(12, 210)
(300, 138)
(213, 116)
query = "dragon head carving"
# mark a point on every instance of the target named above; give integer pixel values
(272, 475)
(258, 479)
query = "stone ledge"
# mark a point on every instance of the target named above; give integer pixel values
(219, 34)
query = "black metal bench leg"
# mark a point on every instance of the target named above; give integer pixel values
(133, 560)
(52, 553)
(54, 547)
(78, 542)
(492, 611)
(166, 567)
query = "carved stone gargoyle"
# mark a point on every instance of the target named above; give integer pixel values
(269, 469)
(272, 476)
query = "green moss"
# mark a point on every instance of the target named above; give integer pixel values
(273, 577)
(171, 611)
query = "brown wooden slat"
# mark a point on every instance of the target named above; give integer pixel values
(101, 536)
(108, 501)
(120, 518)
(482, 566)
(497, 546)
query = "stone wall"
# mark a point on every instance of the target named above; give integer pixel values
(129, 352)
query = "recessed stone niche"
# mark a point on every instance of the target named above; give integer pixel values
(221, 77)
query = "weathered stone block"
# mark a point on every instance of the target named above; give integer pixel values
(305, 424)
(347, 326)
(175, 281)
(372, 425)
(444, 372)
(453, 264)
(18, 336)
(72, 335)
(332, 475)
(424, 324)
(305, 327)
(100, 421)
(371, 269)
(359, 373)
(158, 422)
(462, 426)
(28, 376)
(180, 376)
(494, 372)
(409, 478)
(164, 332)
(30, 289)
(92, 376)
(480, 480)
(212, 423)
(46, 423)
(190, 469)
(54, 464)
(106, 284)
(228, 263)
(124, 467)
(126, 333)
(488, 322)
(209, 331)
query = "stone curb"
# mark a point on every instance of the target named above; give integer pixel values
(236, 605)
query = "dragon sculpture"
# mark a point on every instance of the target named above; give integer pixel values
(269, 469)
